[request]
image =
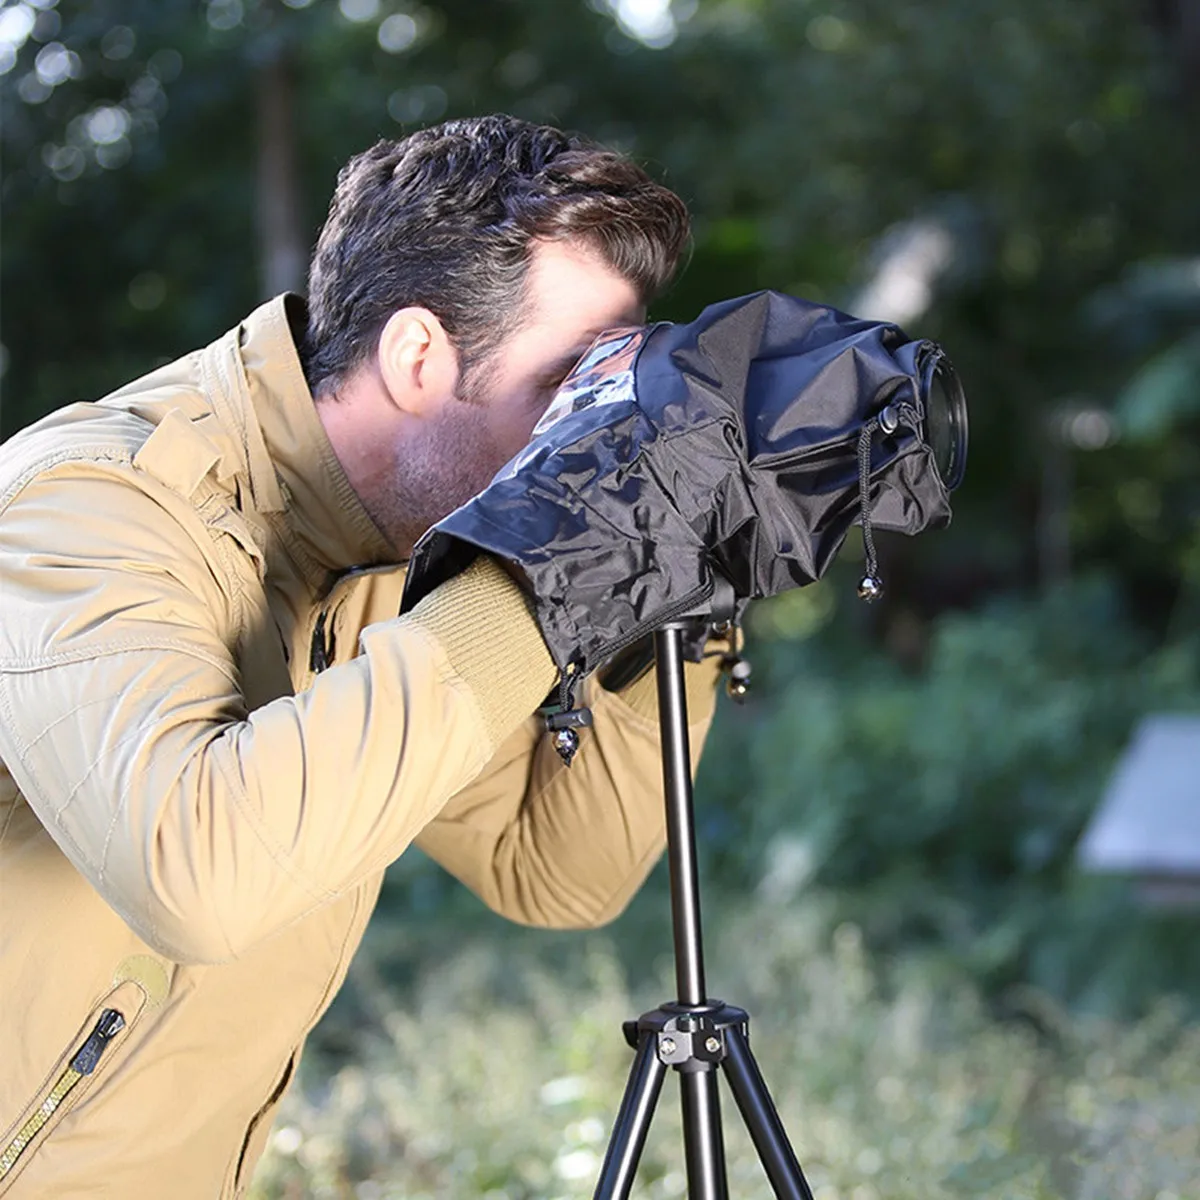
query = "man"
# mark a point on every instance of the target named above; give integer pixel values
(215, 731)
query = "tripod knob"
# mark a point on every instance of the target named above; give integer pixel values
(737, 685)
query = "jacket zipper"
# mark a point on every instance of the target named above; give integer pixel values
(83, 1063)
(321, 651)
(322, 647)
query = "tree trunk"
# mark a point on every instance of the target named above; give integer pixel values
(1179, 20)
(282, 244)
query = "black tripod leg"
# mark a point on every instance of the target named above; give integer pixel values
(633, 1121)
(703, 1144)
(758, 1111)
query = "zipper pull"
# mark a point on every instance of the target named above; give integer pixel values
(110, 1024)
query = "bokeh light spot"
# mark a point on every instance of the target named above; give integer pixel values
(359, 11)
(397, 33)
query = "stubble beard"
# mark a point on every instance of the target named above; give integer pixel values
(451, 459)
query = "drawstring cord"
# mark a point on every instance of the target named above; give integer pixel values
(566, 690)
(564, 724)
(870, 587)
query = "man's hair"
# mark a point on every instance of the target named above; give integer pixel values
(444, 218)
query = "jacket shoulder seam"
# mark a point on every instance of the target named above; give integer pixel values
(47, 462)
(41, 662)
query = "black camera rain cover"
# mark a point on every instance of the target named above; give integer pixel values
(731, 441)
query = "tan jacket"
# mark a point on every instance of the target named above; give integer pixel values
(194, 820)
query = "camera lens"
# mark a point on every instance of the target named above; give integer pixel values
(945, 419)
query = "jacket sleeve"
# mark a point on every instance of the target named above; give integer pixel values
(567, 847)
(208, 827)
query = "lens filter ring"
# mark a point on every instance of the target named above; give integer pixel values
(945, 423)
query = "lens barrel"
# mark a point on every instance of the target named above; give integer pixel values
(945, 406)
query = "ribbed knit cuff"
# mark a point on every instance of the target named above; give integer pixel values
(700, 683)
(485, 624)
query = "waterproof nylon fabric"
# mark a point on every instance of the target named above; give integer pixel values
(726, 444)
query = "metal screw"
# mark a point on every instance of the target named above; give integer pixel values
(712, 1045)
(667, 1045)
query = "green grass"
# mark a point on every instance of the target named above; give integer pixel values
(495, 1068)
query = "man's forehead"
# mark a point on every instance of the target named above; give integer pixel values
(570, 281)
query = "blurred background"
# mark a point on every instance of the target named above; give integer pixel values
(947, 864)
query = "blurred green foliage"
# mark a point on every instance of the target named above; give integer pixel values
(943, 800)
(932, 762)
(497, 1071)
(1048, 143)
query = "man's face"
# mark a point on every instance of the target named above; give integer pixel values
(571, 296)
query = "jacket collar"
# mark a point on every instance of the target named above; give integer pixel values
(291, 465)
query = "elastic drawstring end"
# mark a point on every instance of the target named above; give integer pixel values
(870, 587)
(563, 726)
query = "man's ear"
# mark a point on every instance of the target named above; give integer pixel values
(418, 363)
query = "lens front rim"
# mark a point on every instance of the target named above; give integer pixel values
(938, 369)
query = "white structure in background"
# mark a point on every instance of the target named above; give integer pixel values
(1148, 825)
(911, 259)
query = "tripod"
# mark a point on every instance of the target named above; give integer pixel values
(695, 1035)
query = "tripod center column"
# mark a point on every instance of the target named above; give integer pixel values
(681, 825)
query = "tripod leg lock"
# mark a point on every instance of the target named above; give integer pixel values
(690, 1050)
(688, 1038)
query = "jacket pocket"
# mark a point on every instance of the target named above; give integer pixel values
(89, 1053)
(255, 1139)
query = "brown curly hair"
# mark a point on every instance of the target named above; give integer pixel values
(444, 219)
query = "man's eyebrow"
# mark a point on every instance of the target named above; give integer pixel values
(561, 365)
